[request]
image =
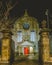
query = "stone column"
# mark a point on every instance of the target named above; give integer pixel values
(6, 48)
(44, 41)
(45, 46)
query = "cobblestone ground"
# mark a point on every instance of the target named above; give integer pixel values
(23, 60)
(27, 63)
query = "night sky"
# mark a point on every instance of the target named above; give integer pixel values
(35, 8)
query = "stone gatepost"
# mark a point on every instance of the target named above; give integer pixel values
(6, 46)
(44, 42)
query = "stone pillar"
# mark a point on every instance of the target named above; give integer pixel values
(44, 41)
(6, 48)
(45, 46)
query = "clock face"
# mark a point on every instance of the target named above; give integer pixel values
(26, 25)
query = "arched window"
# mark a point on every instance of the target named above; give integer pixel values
(33, 36)
(19, 36)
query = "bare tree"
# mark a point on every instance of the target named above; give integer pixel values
(9, 8)
(5, 22)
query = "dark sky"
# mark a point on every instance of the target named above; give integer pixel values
(35, 8)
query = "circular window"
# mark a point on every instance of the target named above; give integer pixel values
(26, 25)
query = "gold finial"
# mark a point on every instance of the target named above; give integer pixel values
(26, 14)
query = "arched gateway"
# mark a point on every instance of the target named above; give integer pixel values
(28, 41)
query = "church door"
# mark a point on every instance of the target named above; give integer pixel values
(26, 50)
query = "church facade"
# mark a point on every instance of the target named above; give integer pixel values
(26, 34)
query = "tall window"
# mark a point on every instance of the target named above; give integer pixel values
(33, 36)
(19, 36)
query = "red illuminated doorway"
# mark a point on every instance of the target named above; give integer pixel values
(26, 50)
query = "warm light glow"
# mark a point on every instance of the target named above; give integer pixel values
(31, 49)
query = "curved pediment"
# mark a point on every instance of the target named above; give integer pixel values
(27, 43)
